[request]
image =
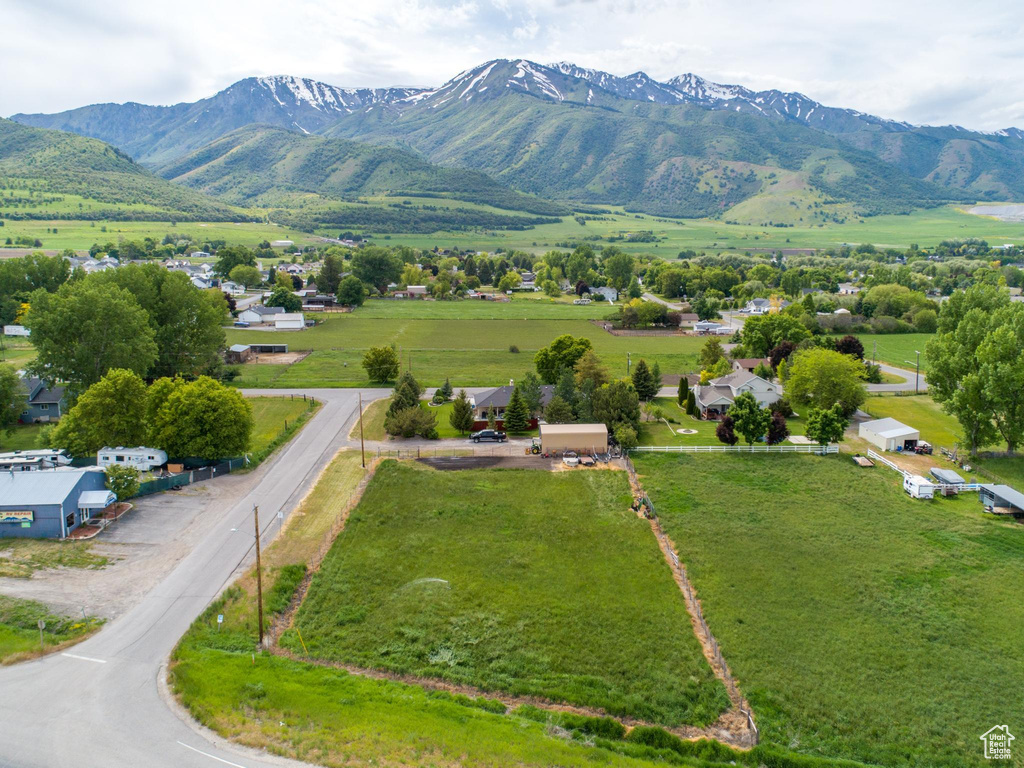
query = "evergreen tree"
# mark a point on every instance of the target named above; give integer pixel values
(584, 407)
(643, 381)
(558, 411)
(405, 397)
(566, 387)
(491, 418)
(529, 386)
(445, 390)
(517, 415)
(461, 417)
(684, 390)
(691, 404)
(656, 377)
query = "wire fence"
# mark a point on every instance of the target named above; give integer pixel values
(815, 449)
(179, 479)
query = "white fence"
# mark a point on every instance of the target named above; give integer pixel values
(737, 449)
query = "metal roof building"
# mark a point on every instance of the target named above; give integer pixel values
(48, 503)
(1002, 499)
(889, 434)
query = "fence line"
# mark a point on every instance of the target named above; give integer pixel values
(816, 449)
(179, 479)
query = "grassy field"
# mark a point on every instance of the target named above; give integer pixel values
(541, 597)
(470, 352)
(896, 348)
(20, 558)
(275, 420)
(657, 433)
(22, 437)
(19, 631)
(523, 306)
(924, 227)
(859, 622)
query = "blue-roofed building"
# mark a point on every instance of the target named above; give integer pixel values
(50, 503)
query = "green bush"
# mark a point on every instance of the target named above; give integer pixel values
(288, 579)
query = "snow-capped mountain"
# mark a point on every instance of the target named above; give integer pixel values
(299, 94)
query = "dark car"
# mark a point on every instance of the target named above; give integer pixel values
(492, 435)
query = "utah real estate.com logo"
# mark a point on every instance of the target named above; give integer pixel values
(997, 742)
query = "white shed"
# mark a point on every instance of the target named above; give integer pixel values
(290, 321)
(889, 434)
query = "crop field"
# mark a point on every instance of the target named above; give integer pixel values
(926, 227)
(469, 352)
(896, 348)
(860, 623)
(542, 595)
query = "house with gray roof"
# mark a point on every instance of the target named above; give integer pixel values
(714, 398)
(42, 402)
(498, 400)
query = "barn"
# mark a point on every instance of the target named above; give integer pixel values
(581, 438)
(889, 434)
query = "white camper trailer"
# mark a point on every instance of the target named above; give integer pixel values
(918, 487)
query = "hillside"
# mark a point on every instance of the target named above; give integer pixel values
(683, 147)
(55, 175)
(269, 167)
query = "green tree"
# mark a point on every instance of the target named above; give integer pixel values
(381, 364)
(412, 422)
(445, 390)
(329, 278)
(245, 275)
(749, 418)
(232, 256)
(762, 333)
(710, 354)
(530, 388)
(821, 378)
(123, 481)
(110, 413)
(682, 391)
(826, 425)
(209, 421)
(691, 404)
(1001, 370)
(634, 291)
(351, 292)
(84, 330)
(563, 352)
(492, 418)
(461, 417)
(590, 367)
(617, 403)
(12, 399)
(618, 268)
(643, 381)
(656, 377)
(558, 411)
(625, 436)
(284, 281)
(283, 297)
(517, 415)
(551, 289)
(377, 267)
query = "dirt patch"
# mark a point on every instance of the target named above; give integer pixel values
(278, 358)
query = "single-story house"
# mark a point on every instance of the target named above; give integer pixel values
(238, 353)
(714, 398)
(498, 400)
(413, 292)
(581, 438)
(889, 434)
(50, 503)
(42, 402)
(290, 321)
(605, 292)
(232, 288)
(762, 306)
(1000, 498)
(141, 458)
(259, 314)
(24, 461)
(748, 364)
(688, 319)
(848, 289)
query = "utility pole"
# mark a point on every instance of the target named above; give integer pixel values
(362, 445)
(917, 371)
(259, 571)
(627, 363)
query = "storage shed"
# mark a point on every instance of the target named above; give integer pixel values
(582, 438)
(238, 353)
(290, 321)
(889, 434)
(50, 503)
(1002, 499)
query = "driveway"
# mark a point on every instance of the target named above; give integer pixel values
(99, 704)
(907, 385)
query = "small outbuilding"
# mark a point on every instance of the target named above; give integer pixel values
(1002, 499)
(238, 353)
(290, 321)
(581, 438)
(889, 434)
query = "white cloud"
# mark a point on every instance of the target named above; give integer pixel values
(942, 61)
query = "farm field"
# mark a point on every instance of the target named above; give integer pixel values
(470, 352)
(896, 348)
(926, 227)
(19, 632)
(542, 596)
(523, 306)
(860, 623)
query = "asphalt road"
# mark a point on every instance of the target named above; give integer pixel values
(100, 703)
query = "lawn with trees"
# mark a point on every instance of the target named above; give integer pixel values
(507, 609)
(861, 623)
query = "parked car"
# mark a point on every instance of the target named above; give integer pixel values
(570, 459)
(587, 461)
(490, 435)
(241, 324)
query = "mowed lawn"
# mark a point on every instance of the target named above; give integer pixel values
(654, 432)
(270, 416)
(522, 581)
(896, 348)
(859, 622)
(471, 352)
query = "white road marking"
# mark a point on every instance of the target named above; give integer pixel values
(212, 757)
(84, 658)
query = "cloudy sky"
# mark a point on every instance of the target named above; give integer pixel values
(936, 62)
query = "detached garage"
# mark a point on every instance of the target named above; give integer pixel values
(581, 438)
(889, 435)
(290, 321)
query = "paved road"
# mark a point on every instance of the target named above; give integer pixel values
(99, 704)
(907, 385)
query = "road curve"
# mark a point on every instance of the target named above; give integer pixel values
(99, 704)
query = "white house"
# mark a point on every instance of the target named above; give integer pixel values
(290, 321)
(763, 306)
(714, 398)
(260, 314)
(889, 434)
(141, 458)
(605, 292)
(16, 330)
(232, 288)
